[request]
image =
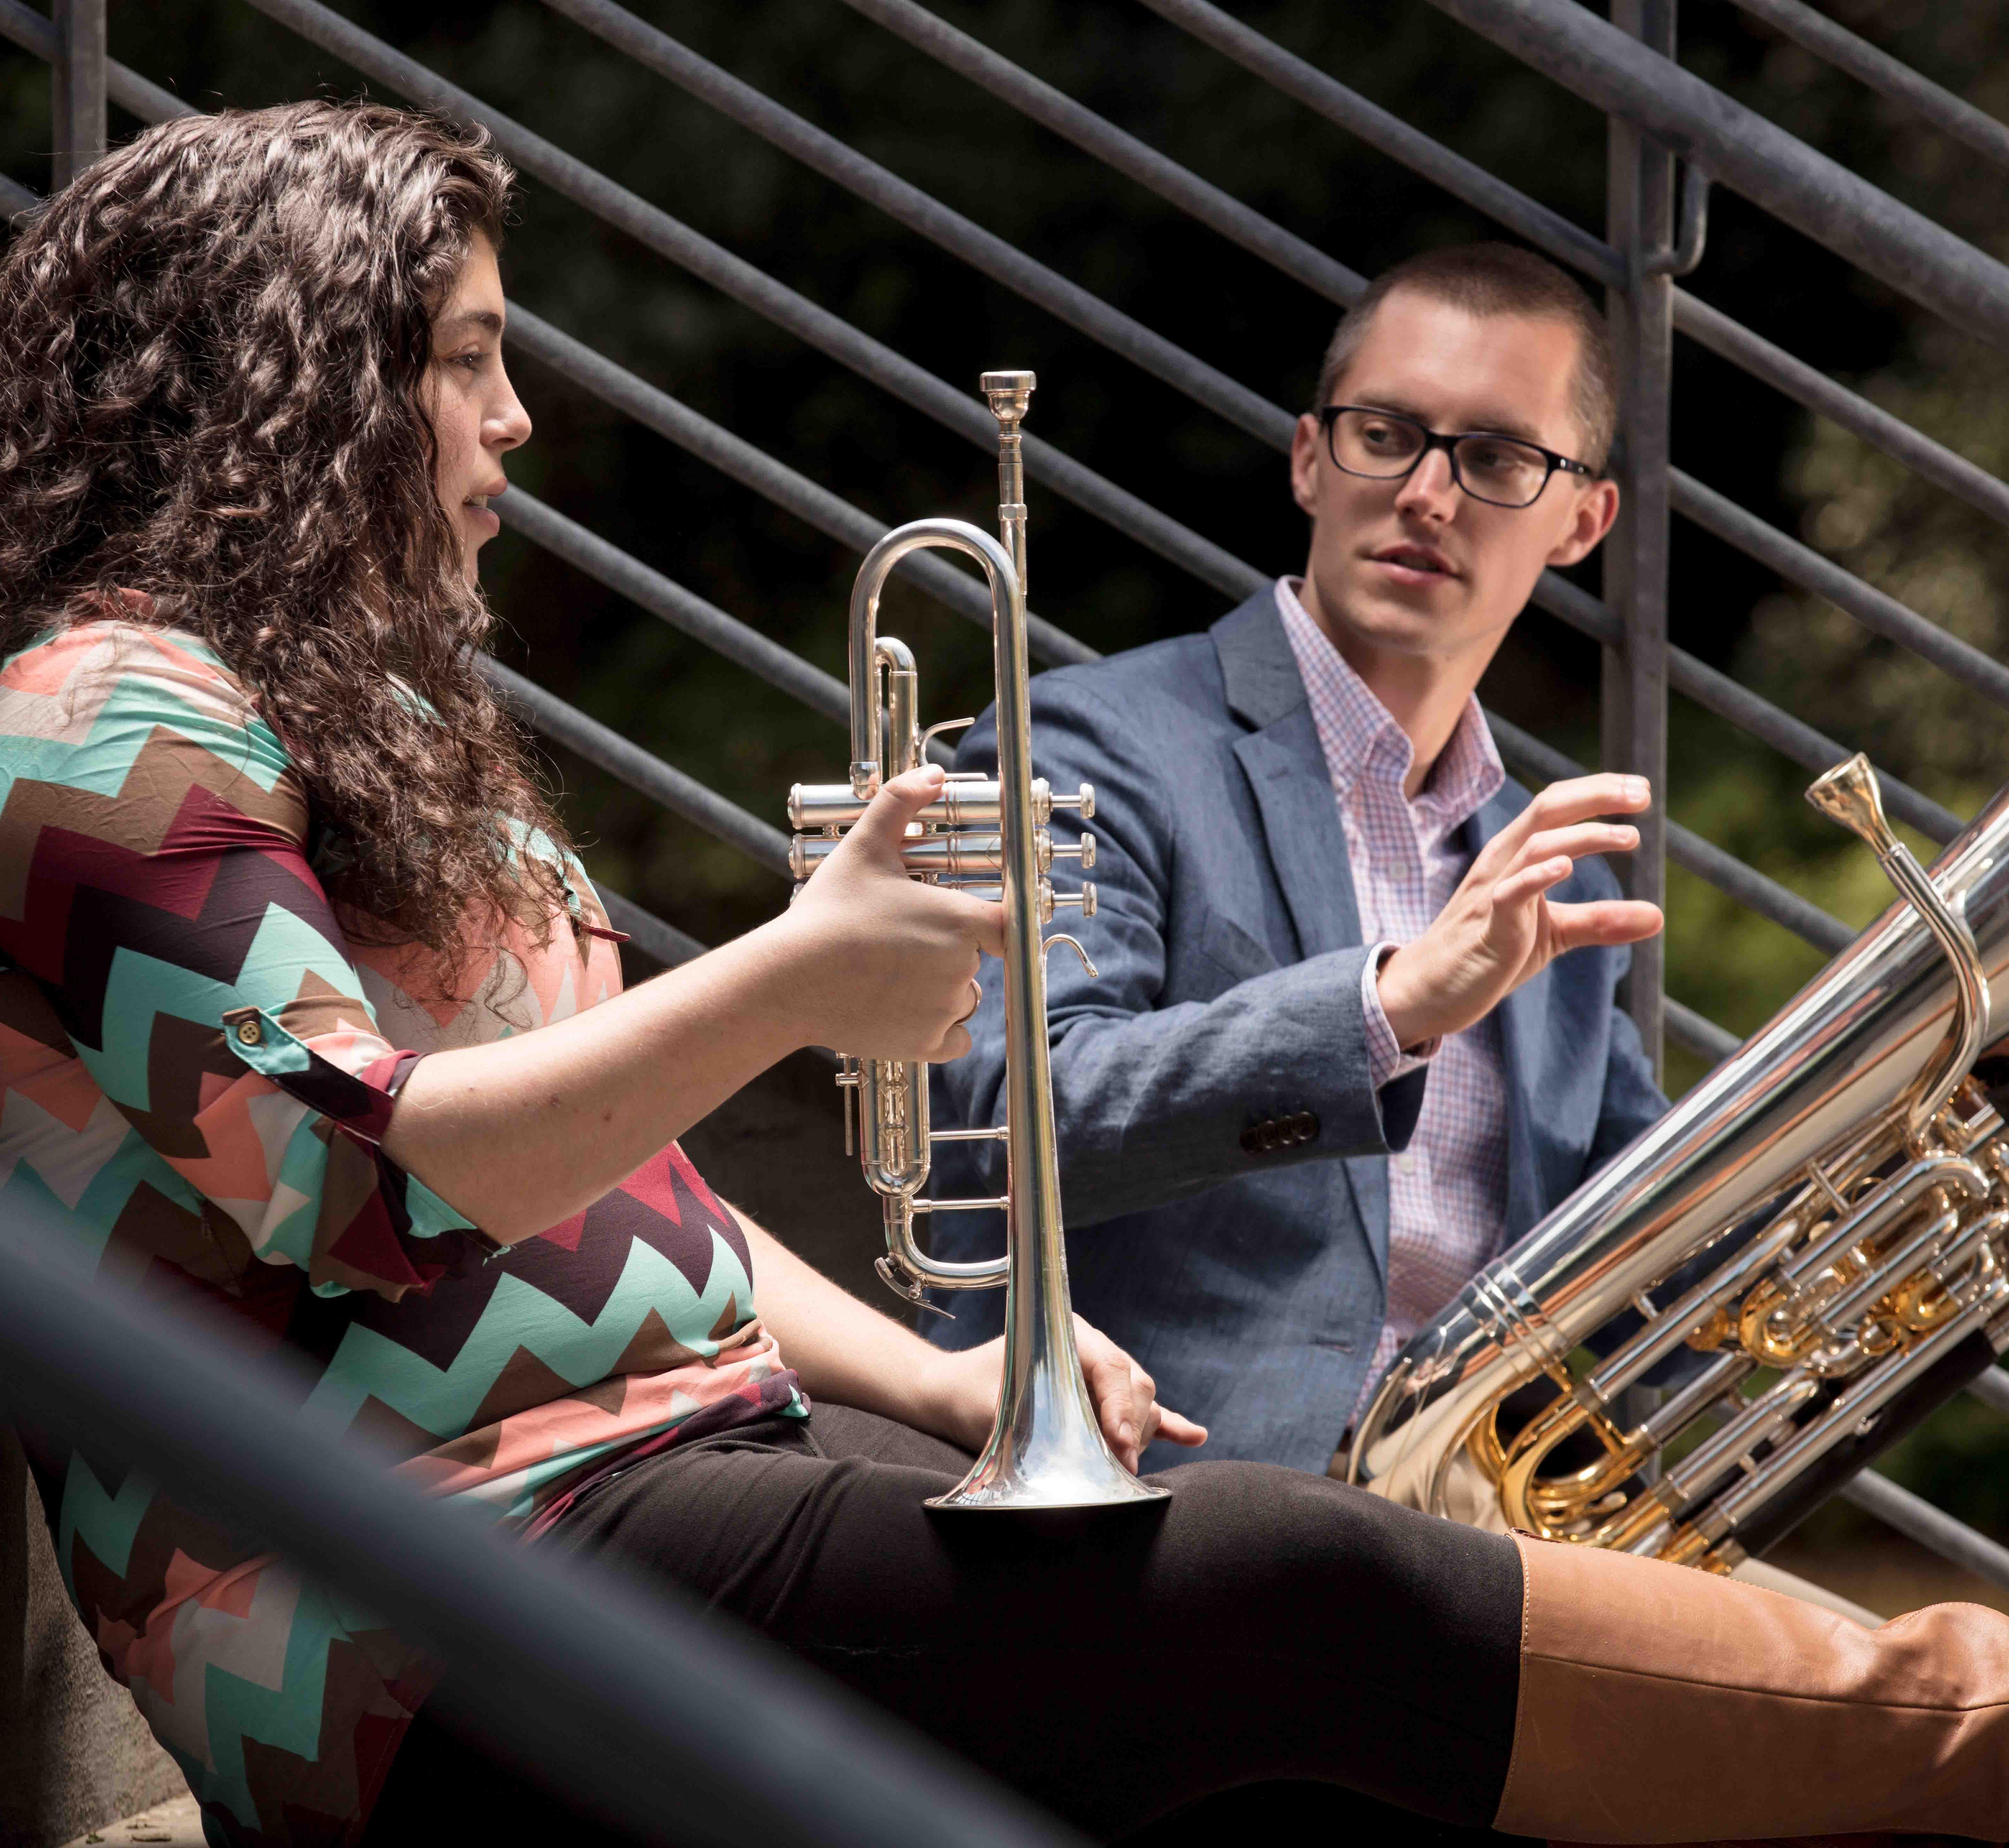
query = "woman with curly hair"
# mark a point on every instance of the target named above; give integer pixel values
(309, 1019)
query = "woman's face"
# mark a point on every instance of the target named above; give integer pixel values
(475, 414)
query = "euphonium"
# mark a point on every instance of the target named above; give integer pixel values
(1047, 1448)
(1819, 1230)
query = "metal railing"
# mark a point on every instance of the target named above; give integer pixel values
(646, 1709)
(1671, 138)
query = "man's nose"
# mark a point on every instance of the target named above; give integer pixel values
(1430, 488)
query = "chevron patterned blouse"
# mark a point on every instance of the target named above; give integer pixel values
(195, 1064)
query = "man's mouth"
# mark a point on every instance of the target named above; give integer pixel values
(1410, 559)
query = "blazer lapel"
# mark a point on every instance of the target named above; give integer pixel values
(1292, 784)
(1286, 768)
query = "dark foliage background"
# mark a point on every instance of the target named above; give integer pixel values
(846, 75)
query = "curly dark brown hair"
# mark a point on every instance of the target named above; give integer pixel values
(217, 340)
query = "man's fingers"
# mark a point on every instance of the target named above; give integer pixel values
(1580, 841)
(1607, 921)
(1576, 799)
(1531, 881)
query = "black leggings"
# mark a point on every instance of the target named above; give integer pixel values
(1263, 1628)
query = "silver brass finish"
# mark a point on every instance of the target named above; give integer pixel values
(1870, 1179)
(1047, 1449)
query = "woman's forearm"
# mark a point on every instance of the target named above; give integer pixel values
(845, 1351)
(521, 1134)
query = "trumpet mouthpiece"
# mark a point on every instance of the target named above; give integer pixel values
(1848, 794)
(1010, 393)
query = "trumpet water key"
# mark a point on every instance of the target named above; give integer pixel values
(1818, 1234)
(987, 835)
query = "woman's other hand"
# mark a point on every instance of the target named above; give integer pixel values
(888, 966)
(960, 1396)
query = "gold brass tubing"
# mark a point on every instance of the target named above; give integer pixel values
(1538, 1505)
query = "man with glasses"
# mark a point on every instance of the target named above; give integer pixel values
(1354, 1028)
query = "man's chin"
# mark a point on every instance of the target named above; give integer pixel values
(1405, 623)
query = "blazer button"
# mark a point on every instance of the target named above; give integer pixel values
(1306, 1126)
(1259, 1138)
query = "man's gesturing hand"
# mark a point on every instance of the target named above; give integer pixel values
(1499, 928)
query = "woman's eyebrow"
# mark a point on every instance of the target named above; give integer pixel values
(485, 319)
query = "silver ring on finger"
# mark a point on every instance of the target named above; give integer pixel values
(975, 1002)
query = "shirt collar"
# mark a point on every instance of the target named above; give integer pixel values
(1360, 736)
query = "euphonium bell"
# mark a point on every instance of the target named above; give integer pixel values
(1047, 1449)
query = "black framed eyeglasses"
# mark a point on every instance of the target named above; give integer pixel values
(1383, 445)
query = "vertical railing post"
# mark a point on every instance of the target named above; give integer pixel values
(1640, 222)
(77, 81)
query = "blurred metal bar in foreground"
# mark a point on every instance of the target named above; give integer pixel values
(655, 1714)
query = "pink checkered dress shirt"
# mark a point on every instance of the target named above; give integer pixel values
(1447, 1189)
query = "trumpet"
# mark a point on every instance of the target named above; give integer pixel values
(1046, 1448)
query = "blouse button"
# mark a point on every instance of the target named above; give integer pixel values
(250, 1032)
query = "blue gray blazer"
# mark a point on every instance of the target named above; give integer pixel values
(1246, 1270)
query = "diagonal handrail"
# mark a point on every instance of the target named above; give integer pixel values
(135, 94)
(1738, 147)
(1209, 562)
(1227, 572)
(1729, 340)
(983, 251)
(1698, 1032)
(664, 784)
(816, 326)
(1816, 33)
(1283, 70)
(656, 410)
(1873, 608)
(703, 621)
(1296, 257)
(1117, 150)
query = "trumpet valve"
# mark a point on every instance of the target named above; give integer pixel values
(1083, 799)
(1051, 901)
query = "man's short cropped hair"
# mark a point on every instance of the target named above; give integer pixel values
(1495, 278)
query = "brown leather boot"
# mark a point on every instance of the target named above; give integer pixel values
(1659, 1704)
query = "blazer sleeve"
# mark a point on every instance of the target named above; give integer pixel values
(1152, 1097)
(166, 907)
(1632, 1101)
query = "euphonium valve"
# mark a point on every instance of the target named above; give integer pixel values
(989, 836)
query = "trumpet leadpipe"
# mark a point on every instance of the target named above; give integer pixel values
(964, 802)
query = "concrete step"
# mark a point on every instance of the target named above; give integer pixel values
(176, 1824)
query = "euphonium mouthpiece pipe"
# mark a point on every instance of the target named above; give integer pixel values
(1848, 794)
